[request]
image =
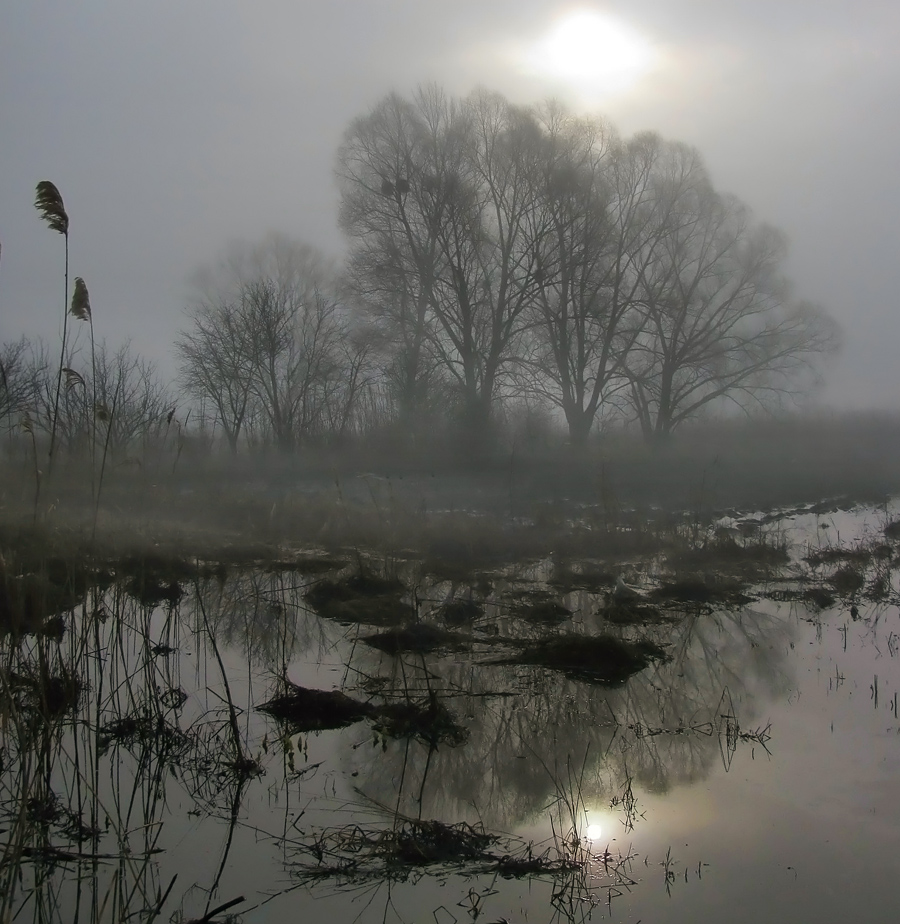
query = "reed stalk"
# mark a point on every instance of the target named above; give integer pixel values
(49, 203)
(81, 310)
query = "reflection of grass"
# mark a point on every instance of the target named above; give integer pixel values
(430, 721)
(355, 853)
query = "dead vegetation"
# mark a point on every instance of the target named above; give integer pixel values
(355, 853)
(750, 560)
(601, 659)
(362, 598)
(417, 637)
(726, 592)
(461, 612)
(818, 597)
(315, 710)
(305, 710)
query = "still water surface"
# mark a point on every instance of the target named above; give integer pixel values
(754, 775)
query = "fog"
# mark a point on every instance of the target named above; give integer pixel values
(171, 130)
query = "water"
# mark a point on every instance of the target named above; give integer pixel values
(753, 775)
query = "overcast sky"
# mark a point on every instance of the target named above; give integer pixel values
(172, 127)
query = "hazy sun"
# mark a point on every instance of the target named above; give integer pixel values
(593, 52)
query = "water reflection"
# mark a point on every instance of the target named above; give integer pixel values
(139, 777)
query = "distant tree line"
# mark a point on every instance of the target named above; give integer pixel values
(500, 258)
(119, 385)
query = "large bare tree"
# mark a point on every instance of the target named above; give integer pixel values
(720, 322)
(438, 196)
(498, 245)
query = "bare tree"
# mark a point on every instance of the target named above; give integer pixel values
(595, 200)
(130, 393)
(438, 196)
(216, 366)
(267, 347)
(719, 320)
(494, 245)
(396, 166)
(21, 372)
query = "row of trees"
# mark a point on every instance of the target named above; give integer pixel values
(120, 387)
(499, 257)
(504, 248)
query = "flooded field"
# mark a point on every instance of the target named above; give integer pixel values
(703, 727)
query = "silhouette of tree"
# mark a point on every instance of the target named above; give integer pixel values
(268, 347)
(500, 247)
(719, 321)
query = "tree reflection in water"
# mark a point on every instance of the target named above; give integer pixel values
(138, 777)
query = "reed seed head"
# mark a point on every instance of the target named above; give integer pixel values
(73, 378)
(49, 203)
(81, 302)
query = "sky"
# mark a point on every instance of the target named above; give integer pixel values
(174, 127)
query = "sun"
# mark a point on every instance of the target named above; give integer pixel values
(593, 52)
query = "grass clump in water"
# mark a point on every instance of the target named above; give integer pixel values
(847, 580)
(632, 613)
(461, 612)
(430, 721)
(315, 710)
(601, 659)
(694, 590)
(541, 609)
(725, 555)
(363, 598)
(416, 637)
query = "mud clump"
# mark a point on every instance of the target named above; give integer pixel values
(305, 710)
